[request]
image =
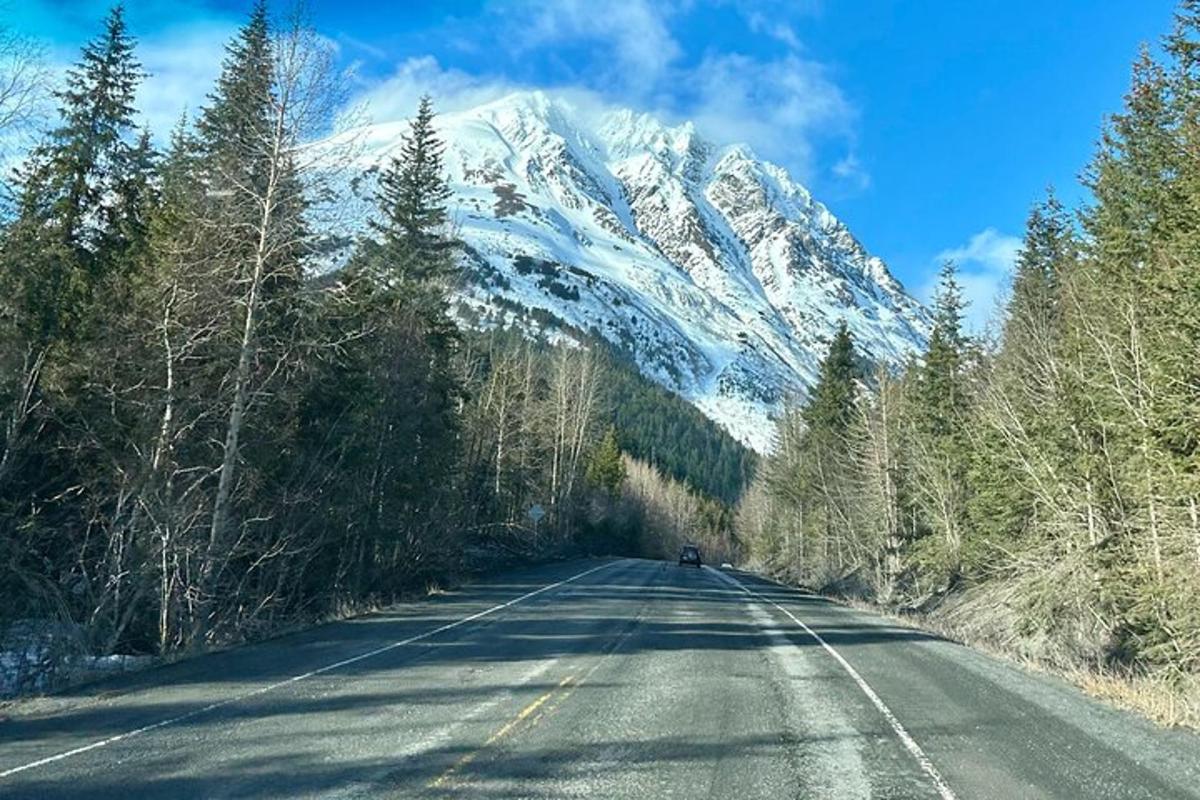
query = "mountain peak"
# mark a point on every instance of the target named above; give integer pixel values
(713, 271)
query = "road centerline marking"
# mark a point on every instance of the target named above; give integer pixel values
(295, 678)
(503, 731)
(910, 744)
(559, 694)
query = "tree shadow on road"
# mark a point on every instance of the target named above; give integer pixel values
(643, 609)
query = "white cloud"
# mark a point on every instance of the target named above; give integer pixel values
(851, 170)
(624, 54)
(985, 267)
(775, 28)
(780, 107)
(183, 65)
(634, 34)
(396, 96)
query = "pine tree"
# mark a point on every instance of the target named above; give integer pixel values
(255, 239)
(77, 191)
(1023, 438)
(412, 203)
(91, 153)
(393, 296)
(1171, 291)
(67, 266)
(136, 199)
(1049, 248)
(942, 450)
(1136, 336)
(235, 129)
(606, 467)
(941, 385)
(244, 141)
(831, 404)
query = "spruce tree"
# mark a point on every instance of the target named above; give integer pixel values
(606, 467)
(412, 204)
(939, 437)
(254, 241)
(1048, 248)
(394, 292)
(235, 129)
(1023, 436)
(831, 403)
(941, 385)
(91, 152)
(78, 190)
(67, 264)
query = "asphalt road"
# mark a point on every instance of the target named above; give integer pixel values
(608, 679)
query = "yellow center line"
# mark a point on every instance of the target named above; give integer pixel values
(506, 729)
(569, 683)
(573, 685)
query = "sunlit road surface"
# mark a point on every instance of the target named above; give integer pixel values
(607, 679)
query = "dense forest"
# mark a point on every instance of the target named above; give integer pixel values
(657, 426)
(206, 436)
(1041, 492)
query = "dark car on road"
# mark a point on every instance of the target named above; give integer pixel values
(689, 554)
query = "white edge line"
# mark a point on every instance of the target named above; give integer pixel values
(906, 739)
(294, 679)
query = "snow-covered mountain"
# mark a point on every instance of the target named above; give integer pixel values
(716, 272)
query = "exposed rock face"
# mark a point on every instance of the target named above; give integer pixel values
(719, 275)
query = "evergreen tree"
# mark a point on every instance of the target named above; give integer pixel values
(1049, 248)
(606, 467)
(941, 386)
(391, 305)
(831, 404)
(67, 264)
(939, 437)
(412, 204)
(1172, 289)
(235, 129)
(1023, 437)
(253, 243)
(91, 153)
(78, 190)
(244, 139)
(659, 427)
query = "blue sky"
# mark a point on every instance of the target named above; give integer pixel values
(929, 126)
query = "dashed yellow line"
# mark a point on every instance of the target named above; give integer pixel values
(505, 730)
(565, 688)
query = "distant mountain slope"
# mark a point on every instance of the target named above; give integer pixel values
(713, 271)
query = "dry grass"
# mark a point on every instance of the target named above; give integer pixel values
(1170, 699)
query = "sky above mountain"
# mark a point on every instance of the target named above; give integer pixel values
(928, 127)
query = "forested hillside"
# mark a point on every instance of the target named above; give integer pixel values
(657, 426)
(1039, 493)
(204, 439)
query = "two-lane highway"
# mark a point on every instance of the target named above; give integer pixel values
(613, 679)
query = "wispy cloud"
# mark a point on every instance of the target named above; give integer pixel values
(641, 54)
(182, 65)
(771, 25)
(852, 171)
(985, 266)
(781, 104)
(395, 96)
(779, 107)
(634, 34)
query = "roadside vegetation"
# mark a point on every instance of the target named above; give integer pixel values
(206, 435)
(1037, 491)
